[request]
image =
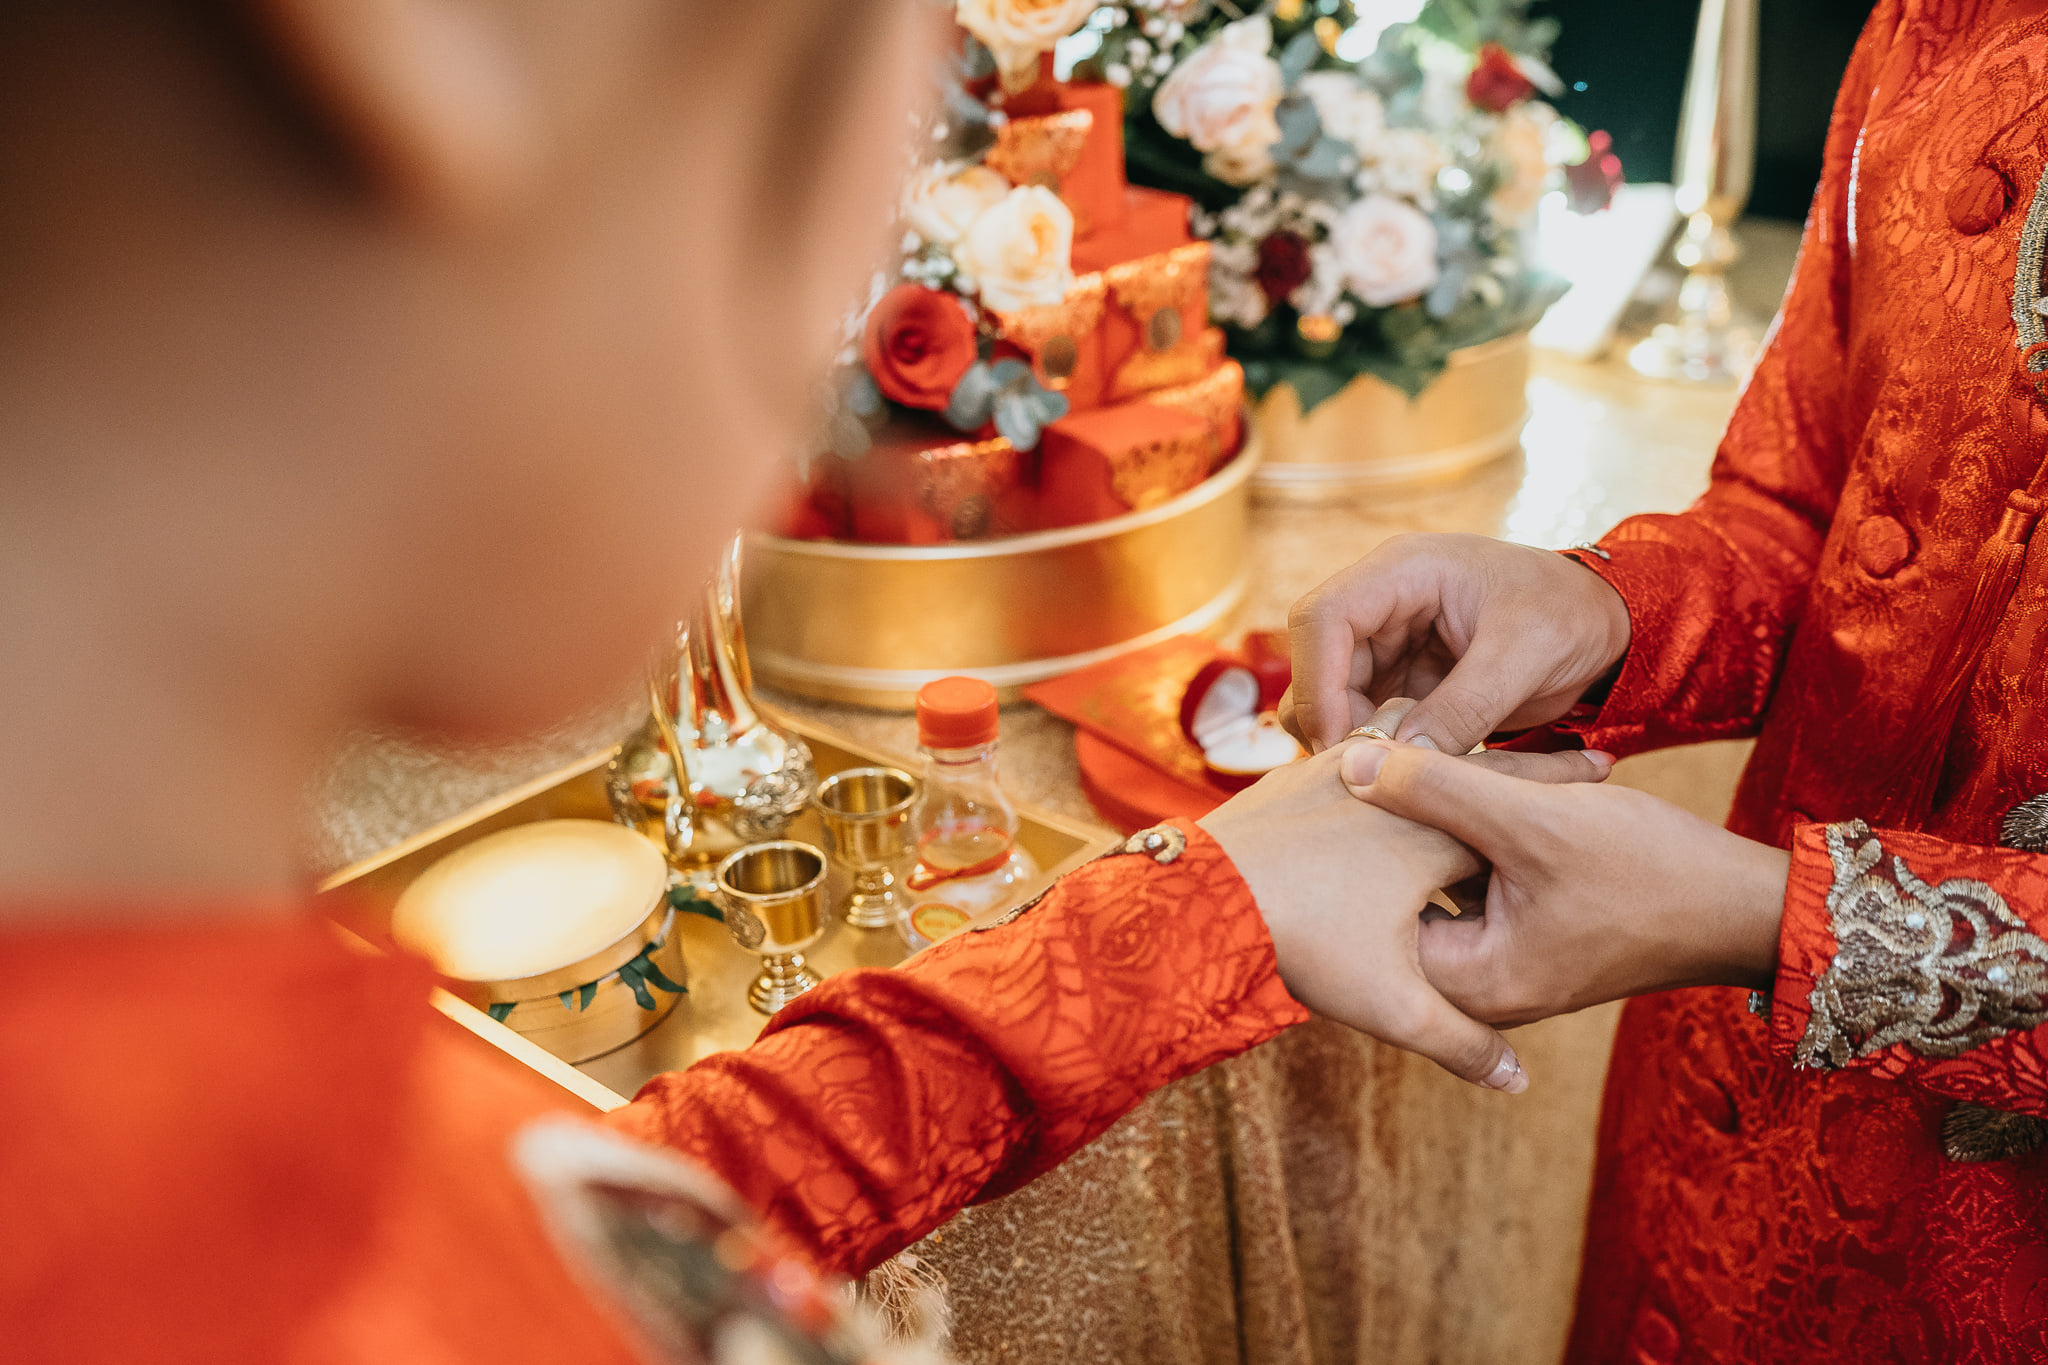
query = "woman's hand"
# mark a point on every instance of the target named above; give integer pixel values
(1596, 893)
(1487, 634)
(1342, 885)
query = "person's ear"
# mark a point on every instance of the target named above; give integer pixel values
(435, 98)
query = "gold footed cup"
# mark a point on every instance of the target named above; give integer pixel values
(866, 814)
(773, 896)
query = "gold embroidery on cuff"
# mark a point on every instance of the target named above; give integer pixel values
(1938, 968)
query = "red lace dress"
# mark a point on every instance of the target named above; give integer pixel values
(1859, 1176)
(239, 1141)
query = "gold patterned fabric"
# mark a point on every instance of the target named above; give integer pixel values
(1939, 968)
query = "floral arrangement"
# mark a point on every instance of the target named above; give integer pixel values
(1368, 187)
(1367, 209)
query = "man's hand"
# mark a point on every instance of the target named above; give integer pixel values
(1486, 634)
(1595, 894)
(1342, 885)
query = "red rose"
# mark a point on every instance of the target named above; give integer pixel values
(1283, 265)
(918, 344)
(1497, 81)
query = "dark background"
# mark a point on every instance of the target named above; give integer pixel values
(1630, 56)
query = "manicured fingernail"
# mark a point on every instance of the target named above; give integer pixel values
(1600, 758)
(1507, 1074)
(1424, 742)
(1361, 762)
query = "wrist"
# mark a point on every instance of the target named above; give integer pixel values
(1752, 912)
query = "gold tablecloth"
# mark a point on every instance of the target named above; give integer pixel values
(1324, 1198)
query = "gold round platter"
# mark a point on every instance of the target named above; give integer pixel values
(561, 929)
(871, 624)
(1371, 435)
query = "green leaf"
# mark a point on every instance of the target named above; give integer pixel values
(586, 995)
(686, 899)
(502, 1008)
(565, 997)
(634, 979)
(659, 977)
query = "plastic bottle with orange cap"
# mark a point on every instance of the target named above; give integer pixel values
(968, 861)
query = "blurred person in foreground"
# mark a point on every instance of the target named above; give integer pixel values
(1854, 1168)
(407, 361)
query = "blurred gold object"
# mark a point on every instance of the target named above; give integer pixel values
(560, 929)
(773, 895)
(743, 780)
(866, 814)
(1371, 435)
(1715, 159)
(873, 623)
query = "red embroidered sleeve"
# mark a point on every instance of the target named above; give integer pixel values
(1713, 594)
(1919, 960)
(880, 1104)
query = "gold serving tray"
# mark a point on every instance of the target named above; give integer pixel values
(714, 1015)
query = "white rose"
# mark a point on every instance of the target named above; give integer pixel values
(1019, 250)
(942, 201)
(1518, 146)
(1221, 100)
(1404, 163)
(1347, 110)
(1016, 31)
(1386, 250)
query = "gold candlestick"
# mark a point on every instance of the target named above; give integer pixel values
(1715, 159)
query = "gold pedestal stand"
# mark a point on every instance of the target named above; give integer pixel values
(1704, 343)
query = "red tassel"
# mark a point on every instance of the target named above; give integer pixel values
(1998, 573)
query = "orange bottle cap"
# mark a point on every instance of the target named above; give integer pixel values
(956, 713)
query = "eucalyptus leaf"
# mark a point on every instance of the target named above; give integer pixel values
(1300, 125)
(1328, 159)
(1298, 56)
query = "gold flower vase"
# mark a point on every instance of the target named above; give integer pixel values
(1370, 435)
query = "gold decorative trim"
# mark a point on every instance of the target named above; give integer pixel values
(1937, 968)
(1184, 363)
(1216, 399)
(1074, 317)
(1973, 1133)
(1040, 149)
(1166, 279)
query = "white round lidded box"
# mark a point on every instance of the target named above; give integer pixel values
(560, 929)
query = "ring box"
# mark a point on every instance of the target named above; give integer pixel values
(1221, 713)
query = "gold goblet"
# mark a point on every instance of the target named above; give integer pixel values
(866, 814)
(773, 896)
